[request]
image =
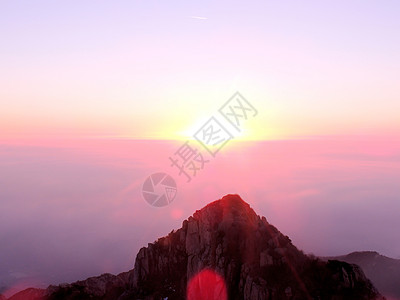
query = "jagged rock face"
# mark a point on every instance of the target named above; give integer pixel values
(254, 259)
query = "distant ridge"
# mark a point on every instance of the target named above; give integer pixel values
(384, 272)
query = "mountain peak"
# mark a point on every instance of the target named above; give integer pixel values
(229, 209)
(364, 253)
(247, 257)
(233, 203)
(232, 200)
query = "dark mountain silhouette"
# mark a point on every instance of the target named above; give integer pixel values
(224, 251)
(384, 272)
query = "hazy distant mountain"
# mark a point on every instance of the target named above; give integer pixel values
(224, 251)
(384, 272)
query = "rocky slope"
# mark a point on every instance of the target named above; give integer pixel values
(30, 294)
(105, 286)
(224, 251)
(384, 272)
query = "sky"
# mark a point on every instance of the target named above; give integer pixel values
(95, 96)
(149, 69)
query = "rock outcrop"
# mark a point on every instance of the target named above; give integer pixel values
(254, 259)
(105, 286)
(224, 251)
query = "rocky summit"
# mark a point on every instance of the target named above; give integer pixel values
(224, 251)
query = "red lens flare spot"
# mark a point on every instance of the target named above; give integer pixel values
(207, 285)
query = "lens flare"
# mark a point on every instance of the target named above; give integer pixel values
(207, 285)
